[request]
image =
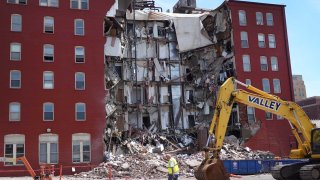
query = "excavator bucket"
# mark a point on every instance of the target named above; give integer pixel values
(211, 169)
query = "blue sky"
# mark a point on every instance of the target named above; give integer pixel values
(304, 36)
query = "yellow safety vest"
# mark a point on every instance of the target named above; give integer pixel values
(175, 166)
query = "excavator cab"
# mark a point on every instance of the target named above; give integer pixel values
(315, 142)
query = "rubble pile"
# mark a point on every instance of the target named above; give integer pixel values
(142, 162)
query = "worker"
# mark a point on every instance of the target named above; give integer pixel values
(173, 168)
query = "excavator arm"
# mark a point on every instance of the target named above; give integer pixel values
(227, 96)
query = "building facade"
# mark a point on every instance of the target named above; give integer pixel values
(262, 60)
(311, 106)
(299, 88)
(52, 85)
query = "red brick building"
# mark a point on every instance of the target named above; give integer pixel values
(52, 82)
(262, 59)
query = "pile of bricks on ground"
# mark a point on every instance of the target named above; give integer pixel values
(143, 164)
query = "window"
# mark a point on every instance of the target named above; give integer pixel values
(261, 40)
(242, 18)
(80, 111)
(263, 63)
(81, 151)
(279, 117)
(80, 81)
(274, 64)
(14, 147)
(244, 39)
(48, 109)
(259, 18)
(250, 114)
(15, 79)
(276, 86)
(248, 81)
(246, 63)
(266, 85)
(48, 80)
(268, 116)
(79, 4)
(14, 111)
(48, 148)
(79, 53)
(17, 1)
(48, 23)
(48, 51)
(269, 19)
(272, 41)
(79, 27)
(49, 3)
(15, 51)
(16, 22)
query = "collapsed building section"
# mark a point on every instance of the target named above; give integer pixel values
(163, 70)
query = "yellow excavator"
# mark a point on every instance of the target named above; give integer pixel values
(307, 136)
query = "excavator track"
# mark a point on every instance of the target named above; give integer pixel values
(310, 172)
(287, 172)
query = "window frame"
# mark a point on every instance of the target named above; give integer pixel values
(243, 63)
(270, 21)
(79, 5)
(48, 139)
(14, 140)
(76, 80)
(45, 47)
(260, 37)
(274, 59)
(76, 28)
(44, 24)
(75, 54)
(83, 139)
(272, 41)
(17, 2)
(44, 111)
(84, 112)
(44, 79)
(253, 114)
(248, 81)
(11, 79)
(49, 3)
(269, 118)
(264, 87)
(242, 14)
(244, 38)
(275, 85)
(18, 24)
(12, 112)
(11, 51)
(263, 65)
(259, 18)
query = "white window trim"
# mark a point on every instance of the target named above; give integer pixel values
(84, 81)
(274, 57)
(81, 137)
(246, 39)
(254, 114)
(271, 19)
(245, 18)
(15, 120)
(49, 138)
(268, 85)
(245, 55)
(75, 54)
(15, 43)
(49, 45)
(14, 139)
(85, 111)
(274, 89)
(48, 4)
(79, 5)
(17, 2)
(11, 27)
(75, 27)
(259, 23)
(11, 71)
(264, 40)
(43, 86)
(274, 37)
(269, 118)
(266, 63)
(47, 103)
(44, 24)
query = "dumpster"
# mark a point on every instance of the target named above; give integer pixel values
(267, 164)
(243, 166)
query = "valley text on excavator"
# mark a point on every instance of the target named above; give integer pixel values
(307, 136)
